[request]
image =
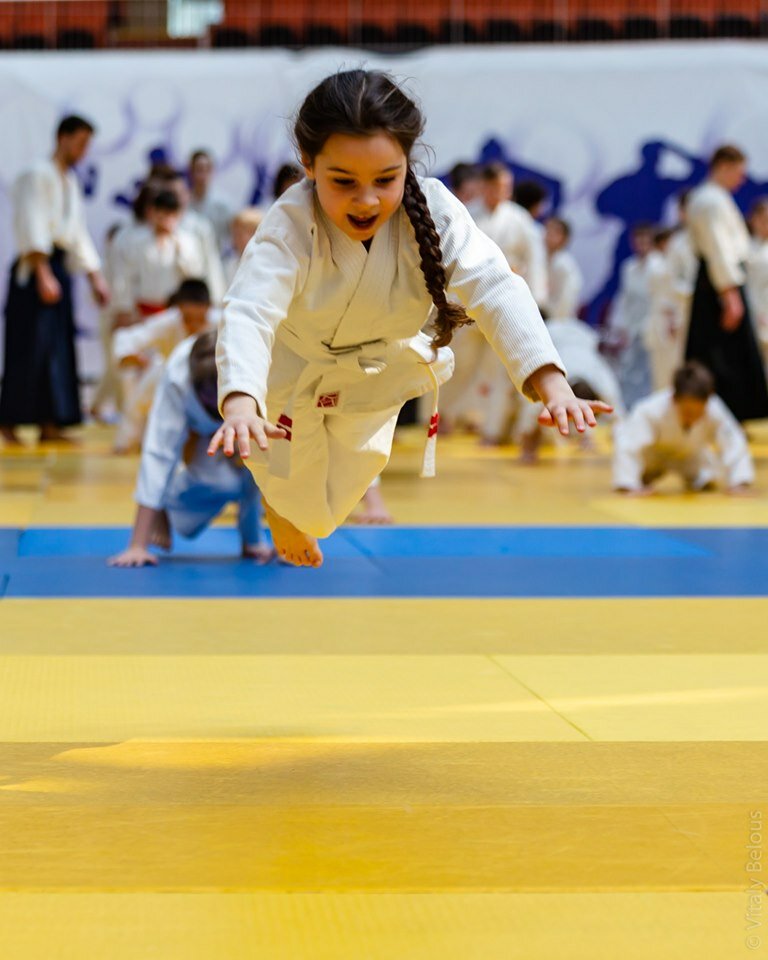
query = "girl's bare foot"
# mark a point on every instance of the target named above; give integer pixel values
(291, 544)
(261, 553)
(161, 532)
(10, 437)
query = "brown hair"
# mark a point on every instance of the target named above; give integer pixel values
(202, 360)
(693, 380)
(563, 224)
(249, 217)
(495, 169)
(363, 103)
(727, 153)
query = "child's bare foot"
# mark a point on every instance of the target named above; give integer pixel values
(126, 449)
(529, 448)
(260, 553)
(161, 532)
(374, 513)
(51, 434)
(291, 544)
(10, 437)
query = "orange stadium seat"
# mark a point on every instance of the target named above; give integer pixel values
(82, 22)
(6, 24)
(34, 24)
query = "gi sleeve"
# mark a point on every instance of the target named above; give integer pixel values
(256, 303)
(160, 332)
(713, 239)
(564, 300)
(632, 436)
(498, 300)
(32, 222)
(214, 270)
(619, 307)
(125, 274)
(166, 433)
(82, 254)
(536, 255)
(731, 443)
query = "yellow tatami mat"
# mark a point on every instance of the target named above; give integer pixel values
(384, 778)
(383, 927)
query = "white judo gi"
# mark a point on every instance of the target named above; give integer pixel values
(629, 317)
(684, 265)
(662, 333)
(49, 212)
(757, 291)
(212, 270)
(154, 339)
(521, 239)
(194, 493)
(651, 442)
(578, 345)
(148, 269)
(564, 286)
(218, 213)
(326, 337)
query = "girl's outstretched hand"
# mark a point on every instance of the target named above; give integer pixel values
(583, 413)
(241, 423)
(562, 404)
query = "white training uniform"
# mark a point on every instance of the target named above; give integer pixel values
(684, 266)
(230, 262)
(718, 234)
(159, 334)
(148, 268)
(218, 213)
(196, 492)
(211, 271)
(154, 340)
(521, 239)
(49, 212)
(564, 286)
(629, 315)
(326, 337)
(109, 386)
(651, 442)
(662, 325)
(757, 290)
(579, 347)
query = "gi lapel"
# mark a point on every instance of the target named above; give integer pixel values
(371, 275)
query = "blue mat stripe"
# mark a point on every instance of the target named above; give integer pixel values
(405, 562)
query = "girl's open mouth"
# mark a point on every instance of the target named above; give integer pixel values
(362, 223)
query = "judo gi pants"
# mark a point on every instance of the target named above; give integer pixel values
(332, 458)
(199, 492)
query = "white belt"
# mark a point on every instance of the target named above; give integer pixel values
(354, 359)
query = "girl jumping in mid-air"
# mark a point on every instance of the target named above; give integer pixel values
(320, 343)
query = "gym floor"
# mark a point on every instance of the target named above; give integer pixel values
(526, 722)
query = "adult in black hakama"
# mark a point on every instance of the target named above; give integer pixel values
(733, 356)
(40, 381)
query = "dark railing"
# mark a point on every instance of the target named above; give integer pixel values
(375, 24)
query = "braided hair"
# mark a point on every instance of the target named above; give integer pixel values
(362, 103)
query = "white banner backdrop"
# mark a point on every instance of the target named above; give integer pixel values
(615, 131)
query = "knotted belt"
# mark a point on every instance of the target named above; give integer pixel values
(354, 359)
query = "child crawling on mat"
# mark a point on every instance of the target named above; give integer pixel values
(686, 430)
(179, 487)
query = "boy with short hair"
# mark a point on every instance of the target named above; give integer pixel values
(141, 351)
(686, 430)
(181, 493)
